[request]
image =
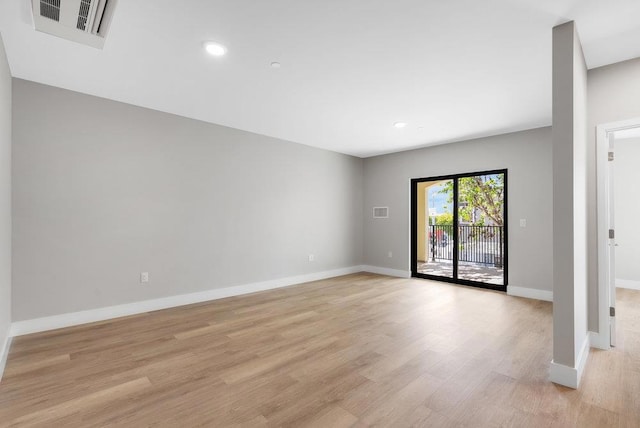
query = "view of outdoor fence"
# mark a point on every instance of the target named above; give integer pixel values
(476, 244)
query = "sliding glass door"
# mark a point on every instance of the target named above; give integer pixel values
(436, 237)
(459, 228)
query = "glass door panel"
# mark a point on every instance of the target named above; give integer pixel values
(481, 228)
(435, 228)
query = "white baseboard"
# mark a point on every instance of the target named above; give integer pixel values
(37, 325)
(19, 328)
(4, 353)
(599, 341)
(583, 356)
(570, 376)
(387, 271)
(563, 375)
(628, 283)
(530, 293)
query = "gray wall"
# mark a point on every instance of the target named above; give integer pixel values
(627, 208)
(569, 196)
(104, 191)
(613, 95)
(527, 155)
(5, 198)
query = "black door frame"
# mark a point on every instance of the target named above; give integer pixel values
(414, 231)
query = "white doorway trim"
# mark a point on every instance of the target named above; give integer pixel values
(603, 339)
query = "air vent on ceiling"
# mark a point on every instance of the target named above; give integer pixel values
(50, 9)
(82, 21)
(83, 14)
(380, 212)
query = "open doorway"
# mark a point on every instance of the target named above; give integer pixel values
(626, 200)
(459, 228)
(618, 155)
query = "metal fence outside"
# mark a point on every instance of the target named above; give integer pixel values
(476, 244)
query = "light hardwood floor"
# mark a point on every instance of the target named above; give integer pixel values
(358, 350)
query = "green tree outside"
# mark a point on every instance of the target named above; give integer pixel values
(442, 219)
(482, 192)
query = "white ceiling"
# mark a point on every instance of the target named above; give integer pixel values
(350, 69)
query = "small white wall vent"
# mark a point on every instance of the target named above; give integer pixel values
(380, 212)
(81, 21)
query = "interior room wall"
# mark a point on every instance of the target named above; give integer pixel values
(526, 155)
(5, 203)
(613, 94)
(104, 191)
(570, 339)
(627, 211)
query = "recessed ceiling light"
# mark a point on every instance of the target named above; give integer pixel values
(276, 64)
(215, 49)
(400, 124)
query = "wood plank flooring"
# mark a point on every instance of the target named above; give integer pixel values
(355, 351)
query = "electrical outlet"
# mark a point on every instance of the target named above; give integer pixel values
(390, 254)
(144, 277)
(523, 222)
(312, 258)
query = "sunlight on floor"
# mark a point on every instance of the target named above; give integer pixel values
(470, 271)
